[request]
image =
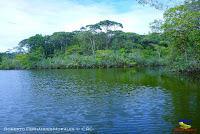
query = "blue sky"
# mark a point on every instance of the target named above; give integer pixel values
(20, 19)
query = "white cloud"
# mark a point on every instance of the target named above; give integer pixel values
(20, 19)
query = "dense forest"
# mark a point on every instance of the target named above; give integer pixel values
(174, 42)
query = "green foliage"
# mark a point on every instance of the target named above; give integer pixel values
(1, 56)
(173, 41)
(96, 45)
(8, 63)
(75, 49)
(181, 27)
(23, 61)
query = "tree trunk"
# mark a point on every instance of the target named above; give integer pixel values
(186, 57)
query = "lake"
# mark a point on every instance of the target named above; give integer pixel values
(134, 100)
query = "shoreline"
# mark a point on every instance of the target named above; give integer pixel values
(183, 72)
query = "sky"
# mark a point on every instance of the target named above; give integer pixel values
(20, 19)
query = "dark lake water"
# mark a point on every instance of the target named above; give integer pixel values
(147, 101)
